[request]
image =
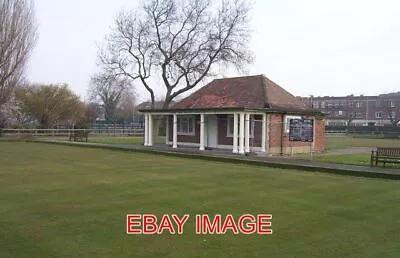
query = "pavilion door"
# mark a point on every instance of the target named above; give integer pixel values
(212, 131)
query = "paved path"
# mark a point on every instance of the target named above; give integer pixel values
(225, 155)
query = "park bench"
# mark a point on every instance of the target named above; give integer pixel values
(385, 155)
(79, 135)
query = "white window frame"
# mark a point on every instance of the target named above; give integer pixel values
(191, 119)
(229, 126)
(287, 122)
(380, 114)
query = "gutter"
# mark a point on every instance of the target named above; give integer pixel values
(171, 111)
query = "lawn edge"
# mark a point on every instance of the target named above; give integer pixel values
(232, 160)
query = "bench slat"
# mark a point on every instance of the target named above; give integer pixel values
(385, 155)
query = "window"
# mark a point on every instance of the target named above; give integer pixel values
(392, 104)
(229, 128)
(287, 122)
(315, 104)
(378, 114)
(322, 104)
(358, 104)
(185, 125)
(339, 113)
(392, 115)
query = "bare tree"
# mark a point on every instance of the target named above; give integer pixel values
(17, 37)
(392, 112)
(395, 120)
(126, 107)
(92, 111)
(349, 119)
(108, 88)
(178, 43)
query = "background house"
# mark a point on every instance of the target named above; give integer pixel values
(244, 114)
(383, 109)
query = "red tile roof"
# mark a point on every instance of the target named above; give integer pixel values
(241, 92)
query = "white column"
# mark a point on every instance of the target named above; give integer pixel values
(235, 133)
(201, 131)
(167, 130)
(263, 132)
(247, 133)
(241, 134)
(146, 129)
(150, 137)
(174, 133)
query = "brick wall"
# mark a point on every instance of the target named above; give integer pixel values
(319, 134)
(222, 130)
(274, 131)
(185, 138)
(276, 138)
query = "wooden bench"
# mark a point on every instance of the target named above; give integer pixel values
(385, 155)
(79, 135)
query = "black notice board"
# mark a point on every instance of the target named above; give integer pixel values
(301, 130)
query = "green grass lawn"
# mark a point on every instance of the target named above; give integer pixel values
(93, 139)
(361, 159)
(344, 142)
(354, 159)
(64, 201)
(116, 139)
(332, 142)
(122, 139)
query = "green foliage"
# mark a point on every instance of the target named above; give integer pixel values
(17, 126)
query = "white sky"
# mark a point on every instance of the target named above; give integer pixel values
(317, 47)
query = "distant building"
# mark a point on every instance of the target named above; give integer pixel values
(358, 110)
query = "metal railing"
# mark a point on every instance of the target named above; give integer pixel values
(66, 132)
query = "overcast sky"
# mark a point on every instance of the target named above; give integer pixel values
(316, 47)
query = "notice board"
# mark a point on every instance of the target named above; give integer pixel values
(301, 130)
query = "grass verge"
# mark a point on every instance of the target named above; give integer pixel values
(65, 201)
